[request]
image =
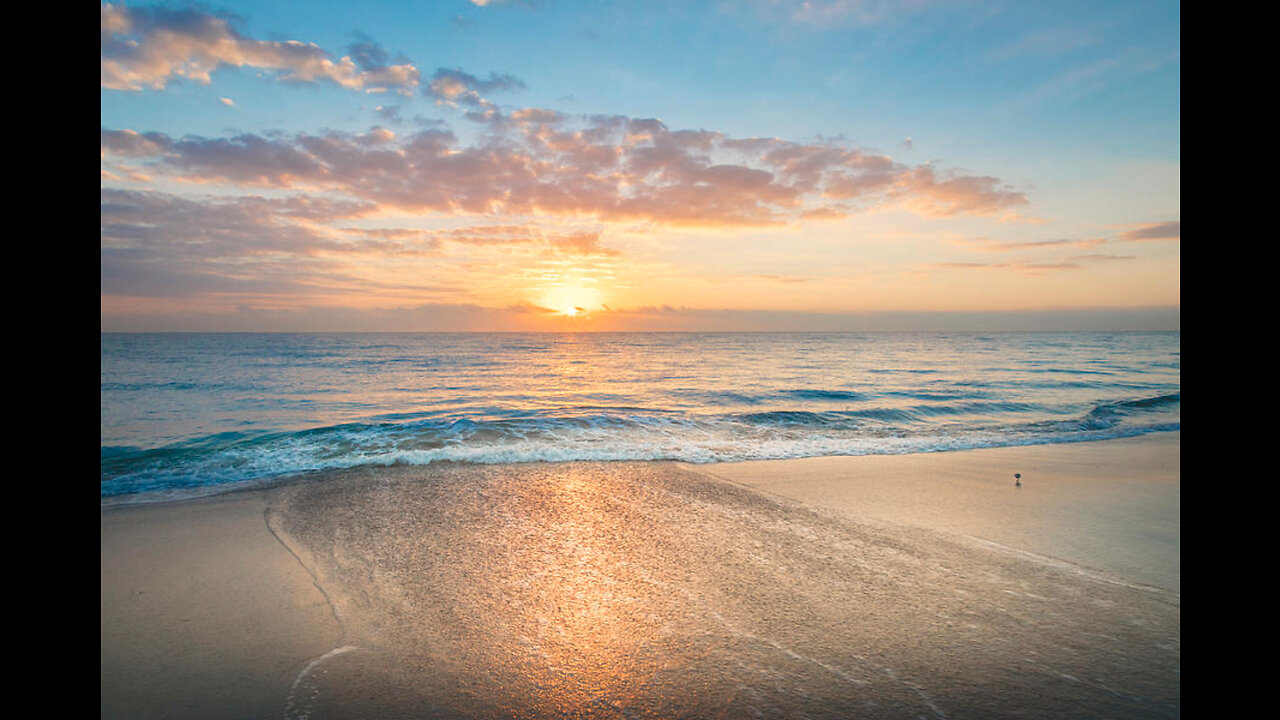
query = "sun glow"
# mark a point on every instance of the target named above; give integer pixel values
(574, 302)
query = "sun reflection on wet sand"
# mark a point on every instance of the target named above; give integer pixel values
(585, 609)
(642, 590)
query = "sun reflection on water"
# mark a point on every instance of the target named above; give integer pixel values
(591, 617)
(597, 590)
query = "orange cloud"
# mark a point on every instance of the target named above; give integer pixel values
(925, 192)
(984, 244)
(1171, 230)
(1037, 267)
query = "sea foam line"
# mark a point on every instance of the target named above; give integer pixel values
(294, 710)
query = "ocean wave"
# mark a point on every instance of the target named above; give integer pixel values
(202, 411)
(806, 394)
(608, 434)
(1107, 414)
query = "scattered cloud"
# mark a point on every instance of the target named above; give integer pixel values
(496, 206)
(131, 143)
(567, 244)
(371, 57)
(929, 193)
(156, 244)
(986, 244)
(586, 243)
(1036, 267)
(389, 113)
(1171, 230)
(146, 47)
(1100, 257)
(394, 242)
(248, 159)
(455, 87)
(162, 246)
(611, 168)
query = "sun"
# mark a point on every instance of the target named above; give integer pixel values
(572, 302)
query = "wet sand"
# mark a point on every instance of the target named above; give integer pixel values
(205, 614)
(1113, 505)
(655, 590)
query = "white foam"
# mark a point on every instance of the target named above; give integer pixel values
(297, 708)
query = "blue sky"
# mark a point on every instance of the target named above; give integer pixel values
(958, 156)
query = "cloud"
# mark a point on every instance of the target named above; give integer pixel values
(455, 87)
(211, 250)
(985, 244)
(370, 56)
(134, 144)
(951, 194)
(417, 317)
(1025, 266)
(220, 227)
(246, 158)
(1037, 267)
(146, 47)
(1101, 257)
(397, 242)
(572, 244)
(609, 168)
(1171, 230)
(156, 244)
(389, 113)
(586, 243)
(227, 101)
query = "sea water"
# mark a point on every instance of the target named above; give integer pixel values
(196, 413)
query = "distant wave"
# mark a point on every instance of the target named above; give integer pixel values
(805, 394)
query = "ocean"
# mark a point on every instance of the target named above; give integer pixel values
(193, 414)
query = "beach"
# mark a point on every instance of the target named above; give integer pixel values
(922, 585)
(1101, 505)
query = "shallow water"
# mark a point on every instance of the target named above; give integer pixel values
(639, 590)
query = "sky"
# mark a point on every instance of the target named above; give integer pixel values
(520, 165)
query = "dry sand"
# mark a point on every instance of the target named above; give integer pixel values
(600, 590)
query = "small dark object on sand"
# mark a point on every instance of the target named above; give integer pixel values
(1017, 479)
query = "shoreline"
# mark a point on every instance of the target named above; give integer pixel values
(198, 492)
(287, 600)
